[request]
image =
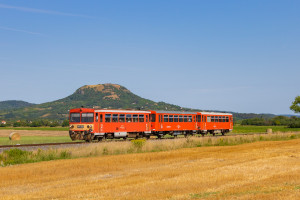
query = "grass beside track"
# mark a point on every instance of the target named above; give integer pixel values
(261, 129)
(10, 157)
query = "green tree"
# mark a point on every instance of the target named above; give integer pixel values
(296, 105)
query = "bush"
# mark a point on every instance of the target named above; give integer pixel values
(138, 143)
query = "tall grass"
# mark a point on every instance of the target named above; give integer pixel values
(16, 156)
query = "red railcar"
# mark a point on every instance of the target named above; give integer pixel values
(212, 122)
(173, 123)
(89, 124)
(97, 124)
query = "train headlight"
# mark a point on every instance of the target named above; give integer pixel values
(71, 126)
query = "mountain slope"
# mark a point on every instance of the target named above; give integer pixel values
(13, 104)
(98, 96)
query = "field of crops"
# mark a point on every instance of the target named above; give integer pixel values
(259, 170)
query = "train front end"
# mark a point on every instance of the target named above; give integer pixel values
(81, 123)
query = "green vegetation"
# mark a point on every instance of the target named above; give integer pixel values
(296, 105)
(13, 104)
(292, 122)
(261, 129)
(16, 156)
(36, 128)
(35, 140)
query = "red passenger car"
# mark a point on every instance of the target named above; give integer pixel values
(173, 123)
(211, 122)
(90, 124)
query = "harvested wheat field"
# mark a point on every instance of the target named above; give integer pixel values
(261, 170)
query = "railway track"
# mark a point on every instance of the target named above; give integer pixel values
(78, 143)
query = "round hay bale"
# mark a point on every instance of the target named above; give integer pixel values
(269, 131)
(15, 136)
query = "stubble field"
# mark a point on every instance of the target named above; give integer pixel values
(260, 170)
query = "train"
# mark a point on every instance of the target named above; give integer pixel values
(100, 124)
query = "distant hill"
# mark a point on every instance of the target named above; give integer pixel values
(110, 96)
(13, 104)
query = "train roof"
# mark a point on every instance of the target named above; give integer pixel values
(175, 112)
(214, 113)
(123, 111)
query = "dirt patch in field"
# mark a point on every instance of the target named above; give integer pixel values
(6, 133)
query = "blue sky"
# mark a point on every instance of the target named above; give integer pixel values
(241, 56)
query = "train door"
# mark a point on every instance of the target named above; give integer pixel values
(160, 124)
(199, 117)
(204, 122)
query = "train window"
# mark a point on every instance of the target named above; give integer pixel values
(199, 118)
(217, 119)
(115, 118)
(147, 118)
(171, 119)
(213, 119)
(175, 118)
(159, 118)
(166, 118)
(227, 119)
(128, 118)
(220, 118)
(141, 118)
(75, 117)
(96, 117)
(185, 118)
(101, 118)
(107, 117)
(135, 118)
(87, 117)
(189, 118)
(180, 118)
(153, 118)
(122, 118)
(194, 117)
(208, 118)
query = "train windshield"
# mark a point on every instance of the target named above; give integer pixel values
(87, 117)
(75, 117)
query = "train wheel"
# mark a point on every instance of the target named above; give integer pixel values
(88, 138)
(124, 138)
(73, 136)
(202, 134)
(213, 133)
(77, 136)
(147, 137)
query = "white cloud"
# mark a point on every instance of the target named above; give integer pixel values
(18, 30)
(33, 10)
